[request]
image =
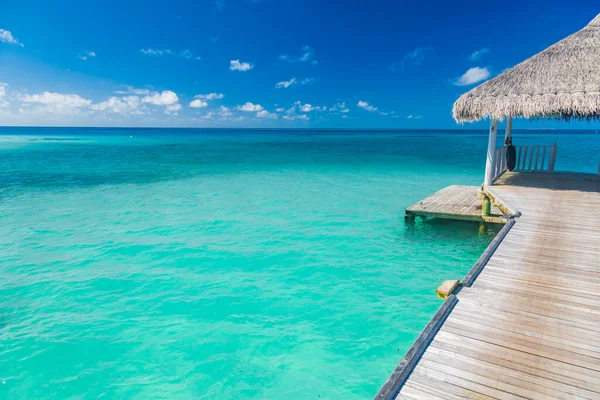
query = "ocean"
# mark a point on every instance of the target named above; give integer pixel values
(228, 264)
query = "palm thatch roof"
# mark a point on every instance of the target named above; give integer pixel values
(560, 82)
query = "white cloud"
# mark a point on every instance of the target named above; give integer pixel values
(476, 55)
(3, 103)
(306, 107)
(198, 103)
(285, 84)
(155, 52)
(86, 54)
(209, 96)
(473, 75)
(187, 54)
(266, 114)
(173, 108)
(57, 99)
(280, 109)
(307, 81)
(165, 98)
(307, 55)
(225, 112)
(414, 116)
(208, 115)
(293, 117)
(125, 105)
(341, 107)
(132, 90)
(366, 106)
(54, 103)
(414, 57)
(7, 37)
(236, 65)
(249, 107)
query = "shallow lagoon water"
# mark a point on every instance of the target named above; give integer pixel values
(226, 264)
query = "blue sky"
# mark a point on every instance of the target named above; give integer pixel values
(265, 63)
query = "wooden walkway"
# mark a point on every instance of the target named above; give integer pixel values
(453, 202)
(529, 326)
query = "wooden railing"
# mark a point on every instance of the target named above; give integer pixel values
(535, 158)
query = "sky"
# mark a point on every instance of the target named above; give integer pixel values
(266, 63)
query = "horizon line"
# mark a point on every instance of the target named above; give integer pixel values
(294, 129)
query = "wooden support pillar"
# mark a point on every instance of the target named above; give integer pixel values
(491, 152)
(508, 132)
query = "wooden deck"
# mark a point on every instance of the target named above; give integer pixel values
(453, 202)
(529, 326)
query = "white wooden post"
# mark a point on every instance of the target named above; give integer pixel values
(552, 159)
(491, 152)
(508, 133)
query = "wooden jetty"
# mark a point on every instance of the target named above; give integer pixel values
(525, 322)
(455, 202)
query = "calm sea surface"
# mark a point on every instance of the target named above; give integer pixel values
(227, 264)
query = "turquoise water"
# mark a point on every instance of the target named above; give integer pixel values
(182, 264)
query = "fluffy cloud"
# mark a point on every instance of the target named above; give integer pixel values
(187, 54)
(307, 55)
(7, 37)
(285, 84)
(473, 75)
(209, 96)
(54, 103)
(155, 52)
(476, 55)
(86, 54)
(197, 103)
(292, 117)
(236, 65)
(366, 106)
(225, 112)
(341, 107)
(173, 108)
(306, 107)
(293, 81)
(132, 90)
(124, 105)
(249, 107)
(3, 103)
(56, 99)
(414, 57)
(164, 98)
(266, 114)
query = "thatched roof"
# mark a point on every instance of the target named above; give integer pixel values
(561, 82)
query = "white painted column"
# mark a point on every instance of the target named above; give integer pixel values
(491, 152)
(508, 134)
